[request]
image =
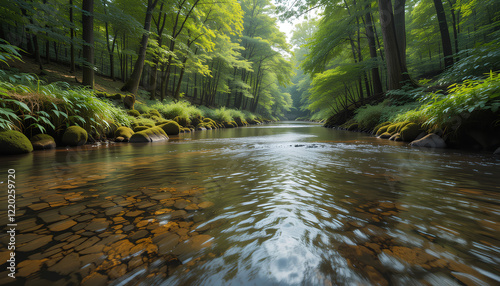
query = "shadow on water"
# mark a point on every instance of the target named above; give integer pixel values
(285, 204)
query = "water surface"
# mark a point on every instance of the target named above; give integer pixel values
(284, 204)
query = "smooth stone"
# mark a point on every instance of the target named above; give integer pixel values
(69, 264)
(113, 210)
(93, 249)
(429, 141)
(135, 262)
(35, 244)
(139, 234)
(195, 243)
(96, 258)
(168, 243)
(84, 218)
(95, 279)
(88, 243)
(121, 248)
(98, 225)
(205, 205)
(134, 213)
(178, 214)
(62, 225)
(28, 267)
(181, 204)
(118, 271)
(161, 196)
(191, 207)
(128, 227)
(72, 210)
(51, 216)
(113, 238)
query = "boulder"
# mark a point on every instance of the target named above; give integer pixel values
(149, 135)
(129, 101)
(43, 141)
(154, 112)
(171, 128)
(396, 137)
(240, 121)
(376, 129)
(124, 132)
(74, 136)
(14, 142)
(133, 112)
(140, 128)
(182, 120)
(410, 132)
(385, 135)
(429, 141)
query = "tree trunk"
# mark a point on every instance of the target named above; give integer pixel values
(133, 82)
(72, 35)
(396, 71)
(377, 84)
(455, 28)
(400, 27)
(445, 34)
(88, 39)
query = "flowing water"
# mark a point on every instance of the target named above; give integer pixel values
(281, 204)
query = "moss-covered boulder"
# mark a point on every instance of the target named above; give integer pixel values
(154, 112)
(133, 112)
(74, 136)
(43, 141)
(149, 135)
(429, 141)
(14, 142)
(171, 128)
(129, 101)
(382, 130)
(186, 130)
(140, 128)
(395, 137)
(240, 121)
(124, 132)
(410, 132)
(385, 135)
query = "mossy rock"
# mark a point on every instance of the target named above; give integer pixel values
(43, 141)
(240, 121)
(182, 120)
(353, 127)
(124, 132)
(74, 136)
(134, 113)
(171, 128)
(382, 129)
(149, 135)
(186, 130)
(396, 127)
(396, 137)
(161, 122)
(129, 101)
(385, 135)
(14, 142)
(154, 112)
(140, 128)
(375, 130)
(410, 132)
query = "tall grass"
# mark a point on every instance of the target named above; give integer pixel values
(182, 108)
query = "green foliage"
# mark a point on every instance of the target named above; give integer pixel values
(8, 52)
(440, 110)
(174, 109)
(30, 105)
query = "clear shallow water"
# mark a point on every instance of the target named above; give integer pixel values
(293, 203)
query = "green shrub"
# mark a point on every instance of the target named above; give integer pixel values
(369, 116)
(172, 110)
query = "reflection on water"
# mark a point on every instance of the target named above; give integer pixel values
(292, 203)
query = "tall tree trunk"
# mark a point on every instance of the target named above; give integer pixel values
(133, 82)
(396, 71)
(88, 39)
(400, 27)
(72, 35)
(370, 35)
(455, 28)
(445, 34)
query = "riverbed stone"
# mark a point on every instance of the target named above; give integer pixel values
(72, 210)
(195, 243)
(52, 216)
(97, 225)
(118, 271)
(168, 243)
(69, 264)
(28, 267)
(74, 136)
(35, 244)
(62, 225)
(205, 205)
(429, 141)
(133, 213)
(95, 279)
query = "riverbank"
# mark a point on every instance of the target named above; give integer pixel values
(41, 115)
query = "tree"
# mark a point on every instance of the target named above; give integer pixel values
(88, 38)
(445, 34)
(133, 82)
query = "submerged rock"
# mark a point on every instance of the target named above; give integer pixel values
(14, 142)
(429, 141)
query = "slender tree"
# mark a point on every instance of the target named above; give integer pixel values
(88, 39)
(133, 82)
(445, 34)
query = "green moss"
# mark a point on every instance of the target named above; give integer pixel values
(171, 128)
(385, 135)
(140, 128)
(183, 121)
(14, 142)
(149, 135)
(396, 127)
(410, 132)
(154, 112)
(43, 141)
(74, 136)
(124, 132)
(382, 129)
(240, 121)
(133, 112)
(375, 130)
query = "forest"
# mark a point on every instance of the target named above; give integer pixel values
(353, 63)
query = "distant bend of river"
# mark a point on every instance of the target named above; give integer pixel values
(290, 203)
